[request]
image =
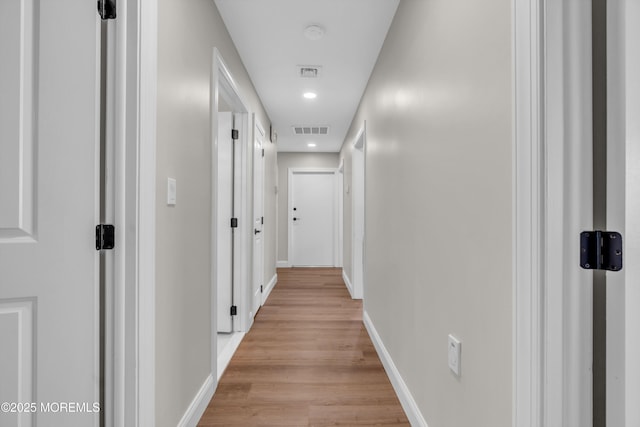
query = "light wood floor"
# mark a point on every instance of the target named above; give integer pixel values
(307, 361)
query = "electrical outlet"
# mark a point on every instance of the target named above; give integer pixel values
(455, 348)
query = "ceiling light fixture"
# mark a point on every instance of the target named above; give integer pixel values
(314, 32)
(310, 95)
(311, 144)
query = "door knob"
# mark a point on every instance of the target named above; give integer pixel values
(256, 231)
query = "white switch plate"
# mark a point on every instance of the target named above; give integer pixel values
(455, 348)
(171, 191)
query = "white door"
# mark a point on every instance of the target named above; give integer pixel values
(623, 212)
(312, 214)
(258, 220)
(224, 213)
(49, 192)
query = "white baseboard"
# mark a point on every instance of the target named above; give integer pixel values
(406, 399)
(269, 288)
(283, 264)
(199, 404)
(347, 282)
(225, 357)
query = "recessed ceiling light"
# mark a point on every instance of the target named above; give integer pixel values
(314, 32)
(311, 144)
(310, 95)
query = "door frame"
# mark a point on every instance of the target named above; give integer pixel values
(339, 217)
(130, 355)
(551, 66)
(527, 214)
(336, 219)
(340, 196)
(223, 84)
(258, 131)
(623, 133)
(358, 167)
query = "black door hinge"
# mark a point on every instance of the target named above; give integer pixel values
(234, 222)
(262, 220)
(234, 134)
(601, 250)
(107, 9)
(234, 310)
(263, 152)
(105, 236)
(261, 289)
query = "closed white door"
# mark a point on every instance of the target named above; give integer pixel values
(312, 214)
(49, 192)
(258, 220)
(224, 213)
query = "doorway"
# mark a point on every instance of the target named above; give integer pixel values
(358, 212)
(312, 217)
(258, 221)
(225, 236)
(231, 216)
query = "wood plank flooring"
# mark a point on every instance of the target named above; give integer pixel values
(307, 361)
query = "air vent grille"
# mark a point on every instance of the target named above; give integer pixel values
(310, 130)
(309, 71)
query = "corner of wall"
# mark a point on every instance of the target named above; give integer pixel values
(347, 282)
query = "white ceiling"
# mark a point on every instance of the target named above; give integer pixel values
(269, 36)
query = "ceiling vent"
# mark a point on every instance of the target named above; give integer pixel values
(310, 130)
(309, 71)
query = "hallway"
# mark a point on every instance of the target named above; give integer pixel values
(307, 360)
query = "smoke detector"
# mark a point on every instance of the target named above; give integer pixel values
(314, 32)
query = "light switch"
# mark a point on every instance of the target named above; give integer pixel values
(454, 354)
(171, 191)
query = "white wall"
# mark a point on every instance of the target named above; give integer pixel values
(438, 205)
(188, 30)
(295, 160)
